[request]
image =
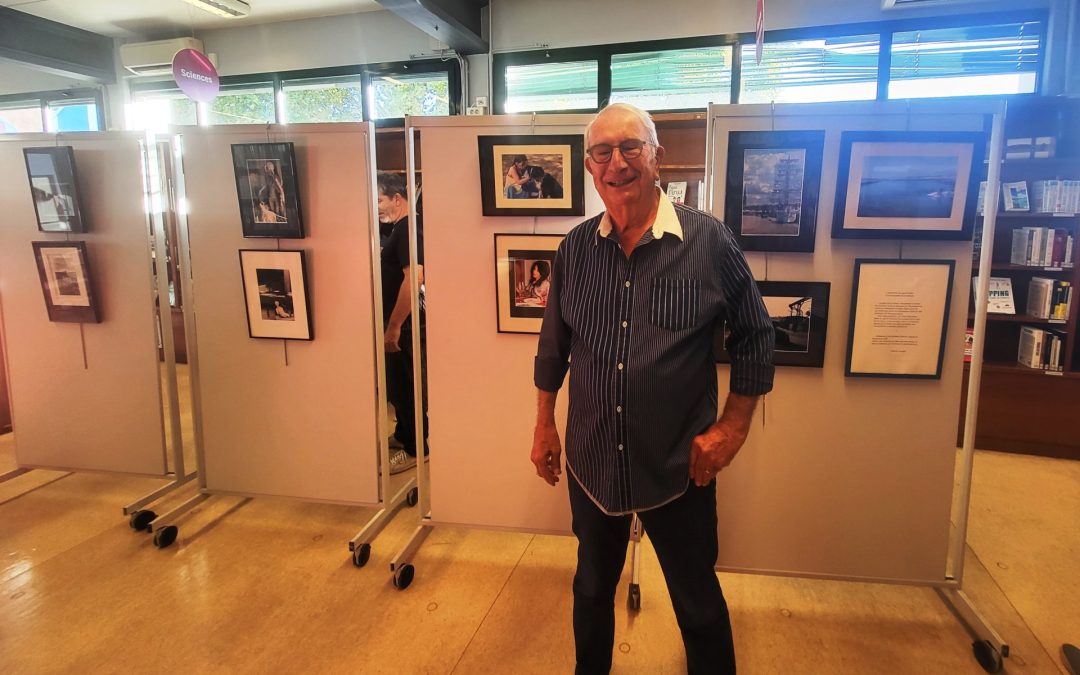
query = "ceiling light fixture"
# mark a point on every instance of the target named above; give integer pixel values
(230, 9)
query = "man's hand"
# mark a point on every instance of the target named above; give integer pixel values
(392, 338)
(713, 450)
(547, 452)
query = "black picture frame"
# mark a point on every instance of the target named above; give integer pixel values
(520, 305)
(64, 272)
(561, 158)
(770, 224)
(925, 184)
(905, 280)
(54, 188)
(791, 332)
(277, 301)
(262, 171)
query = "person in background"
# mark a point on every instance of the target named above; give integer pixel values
(636, 295)
(397, 309)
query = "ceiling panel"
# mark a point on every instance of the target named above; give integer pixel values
(155, 18)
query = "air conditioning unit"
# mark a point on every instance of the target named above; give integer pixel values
(154, 58)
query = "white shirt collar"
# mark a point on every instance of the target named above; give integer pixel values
(666, 222)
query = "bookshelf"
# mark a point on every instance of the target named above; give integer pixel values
(1022, 409)
(683, 138)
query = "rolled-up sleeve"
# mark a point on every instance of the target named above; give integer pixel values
(553, 349)
(751, 343)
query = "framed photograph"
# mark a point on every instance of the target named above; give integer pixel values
(532, 175)
(899, 318)
(773, 177)
(908, 184)
(65, 281)
(275, 294)
(800, 316)
(54, 188)
(523, 267)
(267, 190)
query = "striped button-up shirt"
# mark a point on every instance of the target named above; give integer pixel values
(636, 334)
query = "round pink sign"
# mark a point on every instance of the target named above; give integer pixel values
(195, 75)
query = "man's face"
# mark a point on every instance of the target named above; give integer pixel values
(623, 182)
(389, 207)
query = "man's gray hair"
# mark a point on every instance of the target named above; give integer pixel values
(646, 121)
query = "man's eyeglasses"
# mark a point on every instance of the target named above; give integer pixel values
(629, 149)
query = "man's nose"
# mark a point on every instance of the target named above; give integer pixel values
(617, 160)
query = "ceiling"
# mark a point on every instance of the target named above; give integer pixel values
(146, 19)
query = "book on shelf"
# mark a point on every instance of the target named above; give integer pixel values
(999, 295)
(1041, 349)
(701, 195)
(1016, 196)
(676, 191)
(969, 344)
(1045, 147)
(1041, 247)
(1049, 299)
(1055, 196)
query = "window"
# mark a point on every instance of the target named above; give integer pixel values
(73, 116)
(327, 99)
(813, 70)
(552, 86)
(398, 95)
(156, 110)
(21, 118)
(965, 61)
(672, 80)
(244, 104)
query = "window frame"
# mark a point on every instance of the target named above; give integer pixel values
(43, 99)
(736, 41)
(451, 66)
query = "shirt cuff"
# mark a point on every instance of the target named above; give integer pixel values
(548, 374)
(751, 379)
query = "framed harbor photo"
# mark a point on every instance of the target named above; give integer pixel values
(65, 281)
(267, 190)
(908, 184)
(532, 175)
(771, 199)
(276, 295)
(523, 267)
(899, 318)
(54, 188)
(799, 311)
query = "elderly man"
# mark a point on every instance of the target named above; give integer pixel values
(636, 295)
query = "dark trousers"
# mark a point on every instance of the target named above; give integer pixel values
(683, 532)
(399, 389)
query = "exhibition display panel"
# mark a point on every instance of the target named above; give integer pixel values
(79, 304)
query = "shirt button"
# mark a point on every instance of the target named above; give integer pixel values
(624, 324)
(620, 446)
(618, 408)
(620, 366)
(628, 284)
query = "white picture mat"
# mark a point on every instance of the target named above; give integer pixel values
(65, 260)
(481, 475)
(898, 318)
(108, 415)
(500, 151)
(251, 262)
(845, 477)
(306, 430)
(860, 151)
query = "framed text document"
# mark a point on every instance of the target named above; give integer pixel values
(899, 316)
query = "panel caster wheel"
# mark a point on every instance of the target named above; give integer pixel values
(165, 536)
(634, 597)
(413, 497)
(361, 555)
(141, 519)
(403, 576)
(987, 656)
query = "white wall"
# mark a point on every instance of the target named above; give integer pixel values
(348, 39)
(524, 24)
(19, 79)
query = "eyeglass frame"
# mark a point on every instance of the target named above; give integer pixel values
(619, 146)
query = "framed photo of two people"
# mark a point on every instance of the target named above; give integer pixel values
(532, 175)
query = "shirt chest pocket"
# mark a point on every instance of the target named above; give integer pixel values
(674, 303)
